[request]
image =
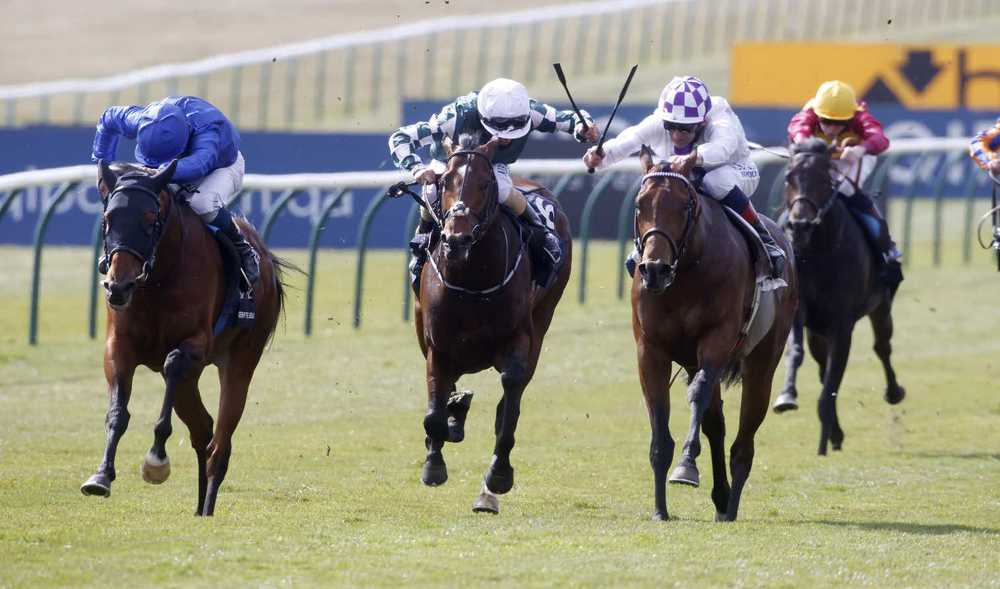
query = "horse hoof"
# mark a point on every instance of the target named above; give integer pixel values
(433, 475)
(660, 516)
(154, 471)
(486, 503)
(895, 396)
(785, 402)
(98, 485)
(500, 482)
(685, 474)
(722, 517)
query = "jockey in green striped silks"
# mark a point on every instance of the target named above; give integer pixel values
(502, 109)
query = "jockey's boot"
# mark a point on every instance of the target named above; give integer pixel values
(418, 247)
(876, 231)
(249, 260)
(546, 252)
(739, 202)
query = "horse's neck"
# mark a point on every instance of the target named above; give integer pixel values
(490, 259)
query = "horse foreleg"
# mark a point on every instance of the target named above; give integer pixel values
(699, 397)
(193, 413)
(836, 363)
(514, 376)
(715, 431)
(119, 375)
(440, 383)
(155, 466)
(788, 398)
(881, 320)
(654, 376)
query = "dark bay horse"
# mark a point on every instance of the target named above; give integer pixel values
(478, 308)
(164, 290)
(696, 301)
(839, 285)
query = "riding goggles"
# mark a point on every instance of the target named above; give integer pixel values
(507, 123)
(680, 127)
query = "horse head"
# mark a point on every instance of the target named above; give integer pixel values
(665, 214)
(135, 212)
(469, 197)
(809, 193)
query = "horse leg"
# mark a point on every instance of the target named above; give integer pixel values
(119, 390)
(193, 413)
(715, 431)
(788, 398)
(837, 353)
(440, 383)
(515, 373)
(758, 373)
(188, 356)
(234, 380)
(818, 349)
(654, 376)
(699, 398)
(881, 319)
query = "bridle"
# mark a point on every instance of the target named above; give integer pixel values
(821, 210)
(691, 210)
(156, 233)
(460, 209)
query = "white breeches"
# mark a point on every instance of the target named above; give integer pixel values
(720, 181)
(217, 188)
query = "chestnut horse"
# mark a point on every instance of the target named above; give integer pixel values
(164, 290)
(478, 308)
(839, 285)
(697, 301)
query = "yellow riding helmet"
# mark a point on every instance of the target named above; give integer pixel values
(835, 100)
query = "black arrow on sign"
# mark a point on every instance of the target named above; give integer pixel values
(919, 69)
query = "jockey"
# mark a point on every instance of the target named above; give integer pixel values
(501, 109)
(835, 116)
(985, 149)
(207, 146)
(688, 120)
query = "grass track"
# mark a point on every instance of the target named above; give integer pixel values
(324, 489)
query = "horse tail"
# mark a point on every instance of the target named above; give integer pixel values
(732, 374)
(281, 267)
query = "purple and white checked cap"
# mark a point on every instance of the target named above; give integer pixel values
(685, 100)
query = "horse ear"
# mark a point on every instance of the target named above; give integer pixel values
(106, 179)
(449, 145)
(646, 158)
(162, 178)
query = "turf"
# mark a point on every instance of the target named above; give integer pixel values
(324, 487)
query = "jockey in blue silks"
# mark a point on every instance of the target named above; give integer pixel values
(207, 147)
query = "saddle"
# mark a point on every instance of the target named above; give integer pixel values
(760, 315)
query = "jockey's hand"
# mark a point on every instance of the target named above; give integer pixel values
(592, 159)
(682, 164)
(426, 176)
(852, 153)
(589, 136)
(994, 166)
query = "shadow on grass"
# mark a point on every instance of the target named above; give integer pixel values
(909, 527)
(957, 455)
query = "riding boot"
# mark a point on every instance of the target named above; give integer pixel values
(739, 202)
(876, 231)
(546, 251)
(419, 246)
(249, 260)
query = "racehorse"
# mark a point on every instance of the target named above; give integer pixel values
(478, 308)
(839, 281)
(164, 291)
(697, 301)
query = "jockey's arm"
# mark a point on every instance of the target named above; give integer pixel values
(802, 124)
(872, 137)
(648, 132)
(115, 122)
(547, 119)
(202, 158)
(407, 140)
(723, 143)
(985, 148)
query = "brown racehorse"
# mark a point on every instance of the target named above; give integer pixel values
(692, 294)
(478, 308)
(164, 290)
(839, 282)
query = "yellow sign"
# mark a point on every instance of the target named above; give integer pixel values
(913, 76)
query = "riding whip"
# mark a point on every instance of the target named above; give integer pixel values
(621, 97)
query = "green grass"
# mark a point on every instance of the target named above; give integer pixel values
(324, 487)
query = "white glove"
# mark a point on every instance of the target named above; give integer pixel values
(853, 153)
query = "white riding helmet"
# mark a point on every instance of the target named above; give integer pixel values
(504, 108)
(684, 100)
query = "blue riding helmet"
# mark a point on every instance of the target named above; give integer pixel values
(163, 134)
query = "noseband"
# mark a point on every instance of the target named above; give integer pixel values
(460, 209)
(690, 216)
(156, 234)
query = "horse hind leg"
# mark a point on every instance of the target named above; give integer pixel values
(882, 327)
(192, 412)
(788, 397)
(234, 380)
(715, 430)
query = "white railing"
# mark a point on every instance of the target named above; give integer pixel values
(324, 82)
